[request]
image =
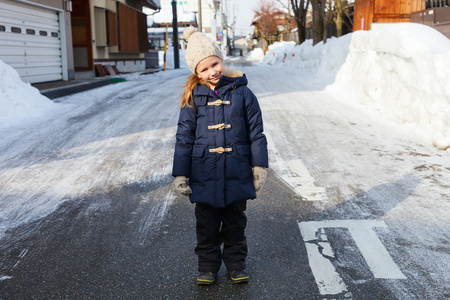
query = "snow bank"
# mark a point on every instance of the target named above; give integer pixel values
(277, 52)
(19, 101)
(399, 70)
(321, 61)
(403, 72)
(255, 55)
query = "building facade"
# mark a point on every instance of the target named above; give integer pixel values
(51, 40)
(35, 39)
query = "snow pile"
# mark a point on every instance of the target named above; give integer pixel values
(399, 70)
(403, 72)
(19, 101)
(255, 55)
(321, 61)
(277, 52)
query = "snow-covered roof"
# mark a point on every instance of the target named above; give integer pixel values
(165, 15)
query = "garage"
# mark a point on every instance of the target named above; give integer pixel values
(31, 41)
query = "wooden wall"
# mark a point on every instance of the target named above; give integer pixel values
(132, 25)
(382, 11)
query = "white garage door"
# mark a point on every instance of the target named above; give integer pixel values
(30, 41)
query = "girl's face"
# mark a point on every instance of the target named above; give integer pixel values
(210, 70)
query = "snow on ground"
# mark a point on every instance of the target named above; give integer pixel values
(399, 71)
(403, 72)
(95, 142)
(255, 55)
(19, 101)
(320, 62)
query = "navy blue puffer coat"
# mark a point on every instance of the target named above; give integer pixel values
(218, 142)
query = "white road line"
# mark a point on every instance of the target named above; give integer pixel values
(373, 251)
(295, 174)
(303, 182)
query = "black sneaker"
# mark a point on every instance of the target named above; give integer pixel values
(239, 276)
(206, 278)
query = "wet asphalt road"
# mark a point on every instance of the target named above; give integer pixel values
(73, 254)
(70, 256)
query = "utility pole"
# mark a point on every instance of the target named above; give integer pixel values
(200, 16)
(176, 50)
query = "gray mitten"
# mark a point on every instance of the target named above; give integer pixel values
(259, 177)
(182, 186)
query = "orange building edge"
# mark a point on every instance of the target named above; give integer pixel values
(384, 11)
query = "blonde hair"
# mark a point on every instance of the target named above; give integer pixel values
(186, 97)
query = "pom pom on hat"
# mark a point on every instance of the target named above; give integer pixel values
(188, 32)
(199, 47)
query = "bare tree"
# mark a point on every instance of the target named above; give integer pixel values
(318, 20)
(336, 11)
(265, 22)
(324, 12)
(300, 8)
(287, 15)
(338, 19)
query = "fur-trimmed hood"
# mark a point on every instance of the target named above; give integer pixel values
(232, 73)
(231, 79)
(227, 72)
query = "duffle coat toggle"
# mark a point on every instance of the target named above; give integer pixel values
(220, 150)
(219, 102)
(219, 126)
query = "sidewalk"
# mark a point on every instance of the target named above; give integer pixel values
(57, 89)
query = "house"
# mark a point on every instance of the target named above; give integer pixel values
(436, 15)
(270, 26)
(51, 40)
(35, 39)
(110, 33)
(241, 45)
(367, 12)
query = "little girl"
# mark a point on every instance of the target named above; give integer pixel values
(220, 157)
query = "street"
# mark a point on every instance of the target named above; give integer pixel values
(353, 207)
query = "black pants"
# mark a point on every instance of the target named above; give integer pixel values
(221, 225)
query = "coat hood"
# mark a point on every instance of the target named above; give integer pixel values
(229, 79)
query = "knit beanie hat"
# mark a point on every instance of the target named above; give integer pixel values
(199, 47)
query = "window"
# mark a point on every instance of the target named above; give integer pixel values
(31, 31)
(42, 33)
(100, 26)
(16, 30)
(105, 27)
(55, 34)
(2, 28)
(111, 25)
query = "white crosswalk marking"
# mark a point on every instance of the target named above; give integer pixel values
(377, 257)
